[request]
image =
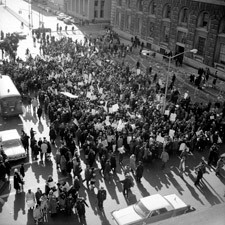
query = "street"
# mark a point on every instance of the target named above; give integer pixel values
(13, 208)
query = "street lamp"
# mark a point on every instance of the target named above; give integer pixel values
(194, 51)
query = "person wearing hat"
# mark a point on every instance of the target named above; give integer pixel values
(101, 197)
(80, 206)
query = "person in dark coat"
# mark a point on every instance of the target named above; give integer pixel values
(80, 206)
(69, 204)
(52, 135)
(25, 141)
(3, 171)
(101, 197)
(139, 171)
(38, 195)
(113, 162)
(39, 113)
(17, 181)
(76, 184)
(7, 168)
(127, 184)
(91, 157)
(22, 170)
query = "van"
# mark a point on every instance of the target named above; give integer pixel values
(10, 98)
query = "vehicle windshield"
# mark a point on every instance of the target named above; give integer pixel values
(11, 143)
(141, 210)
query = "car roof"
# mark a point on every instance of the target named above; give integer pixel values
(154, 202)
(9, 135)
(175, 201)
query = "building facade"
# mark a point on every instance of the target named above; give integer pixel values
(90, 10)
(175, 25)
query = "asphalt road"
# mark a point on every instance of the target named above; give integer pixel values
(13, 209)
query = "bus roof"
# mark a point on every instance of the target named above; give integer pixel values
(7, 87)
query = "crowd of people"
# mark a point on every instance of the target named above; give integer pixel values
(108, 109)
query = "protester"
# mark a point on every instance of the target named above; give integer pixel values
(17, 181)
(37, 214)
(139, 171)
(101, 197)
(30, 199)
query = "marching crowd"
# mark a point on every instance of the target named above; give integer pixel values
(108, 109)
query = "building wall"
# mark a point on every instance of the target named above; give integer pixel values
(190, 24)
(90, 10)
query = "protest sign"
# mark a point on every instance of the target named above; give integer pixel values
(173, 117)
(171, 133)
(160, 139)
(115, 107)
(167, 112)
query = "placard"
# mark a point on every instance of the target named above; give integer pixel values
(167, 112)
(115, 107)
(173, 117)
(160, 139)
(171, 133)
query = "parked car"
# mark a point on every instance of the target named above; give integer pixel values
(68, 20)
(20, 35)
(75, 21)
(61, 16)
(150, 209)
(12, 145)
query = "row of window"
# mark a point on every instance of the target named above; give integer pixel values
(203, 20)
(200, 41)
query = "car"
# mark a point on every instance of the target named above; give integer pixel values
(150, 209)
(12, 145)
(20, 35)
(68, 20)
(61, 16)
(75, 21)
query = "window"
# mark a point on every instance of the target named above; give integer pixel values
(127, 22)
(151, 27)
(140, 5)
(152, 8)
(201, 46)
(183, 18)
(119, 2)
(96, 3)
(222, 54)
(203, 20)
(96, 14)
(167, 11)
(102, 9)
(128, 4)
(222, 27)
(181, 37)
(118, 18)
(166, 32)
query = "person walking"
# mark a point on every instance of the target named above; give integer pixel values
(30, 199)
(80, 206)
(219, 166)
(182, 167)
(17, 181)
(39, 113)
(37, 214)
(164, 157)
(200, 169)
(87, 175)
(127, 184)
(101, 197)
(133, 163)
(63, 164)
(38, 195)
(44, 148)
(7, 168)
(34, 103)
(139, 171)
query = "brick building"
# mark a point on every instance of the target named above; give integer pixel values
(91, 10)
(177, 26)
